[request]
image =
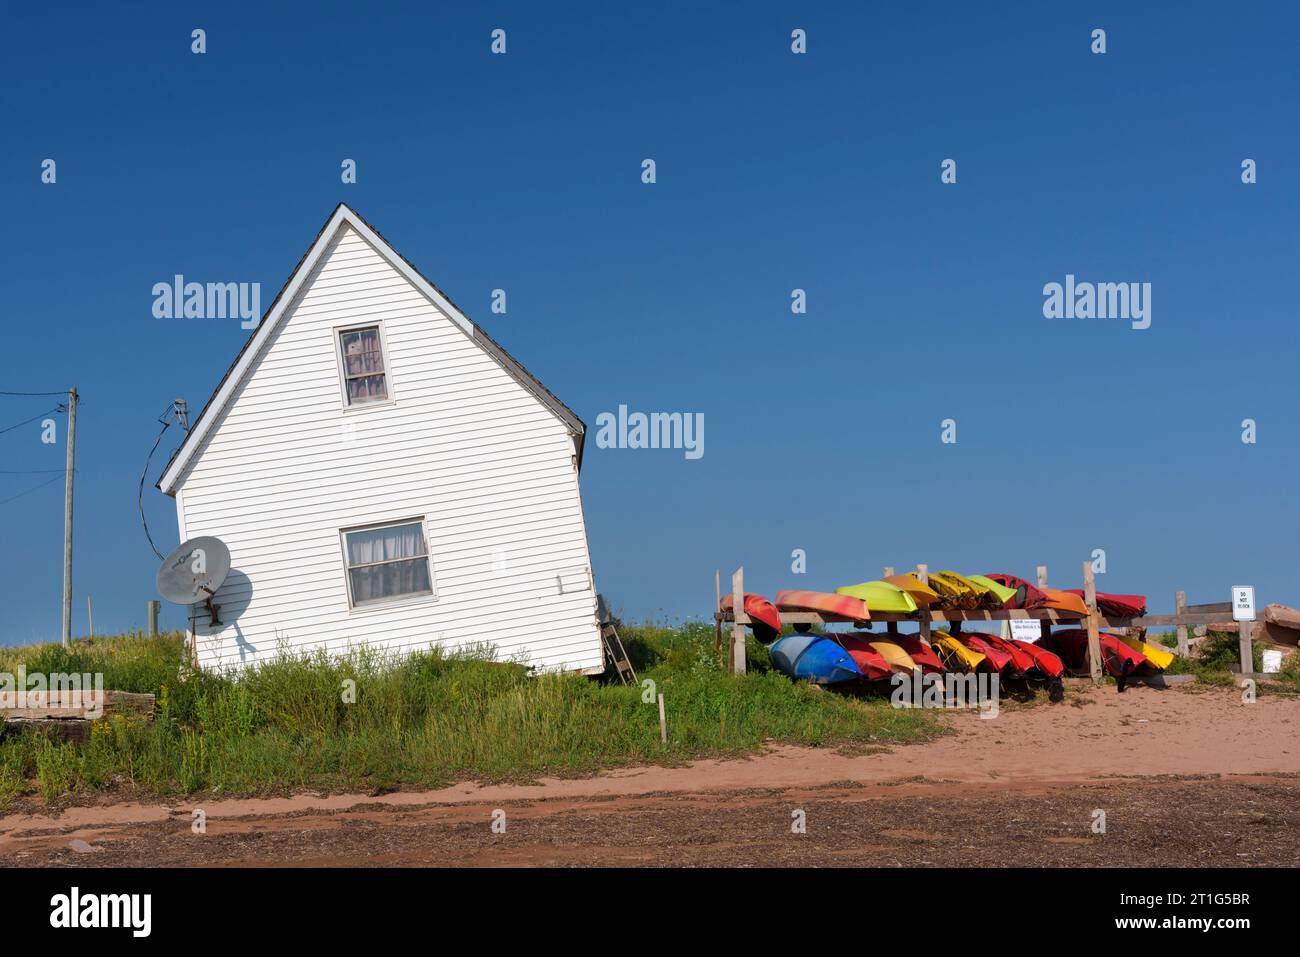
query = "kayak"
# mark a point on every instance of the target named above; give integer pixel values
(920, 652)
(1063, 601)
(1001, 592)
(824, 603)
(1117, 659)
(998, 659)
(870, 662)
(956, 591)
(1048, 664)
(921, 593)
(765, 620)
(893, 653)
(1022, 662)
(1159, 658)
(1027, 595)
(881, 596)
(813, 657)
(1118, 606)
(954, 655)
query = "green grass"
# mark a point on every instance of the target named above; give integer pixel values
(424, 721)
(1220, 652)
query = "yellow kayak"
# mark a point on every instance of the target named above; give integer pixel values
(1001, 592)
(881, 596)
(954, 655)
(1159, 657)
(898, 659)
(922, 594)
(956, 591)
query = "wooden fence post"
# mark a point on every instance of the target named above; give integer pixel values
(153, 618)
(1247, 651)
(1094, 621)
(889, 571)
(738, 629)
(1180, 604)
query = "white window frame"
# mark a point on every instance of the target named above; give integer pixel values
(338, 331)
(417, 597)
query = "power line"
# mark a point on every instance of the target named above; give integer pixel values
(30, 471)
(41, 485)
(60, 392)
(55, 410)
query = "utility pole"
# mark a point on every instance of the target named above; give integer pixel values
(67, 517)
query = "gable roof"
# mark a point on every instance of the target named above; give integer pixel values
(344, 215)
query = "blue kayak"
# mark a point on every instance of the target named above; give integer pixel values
(815, 658)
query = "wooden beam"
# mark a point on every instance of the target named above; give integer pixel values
(72, 704)
(1054, 615)
(738, 628)
(1094, 620)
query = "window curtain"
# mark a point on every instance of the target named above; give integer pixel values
(404, 568)
(363, 365)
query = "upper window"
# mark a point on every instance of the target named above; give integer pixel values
(387, 561)
(364, 376)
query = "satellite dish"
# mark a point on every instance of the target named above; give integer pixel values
(194, 571)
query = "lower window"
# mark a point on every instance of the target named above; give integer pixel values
(387, 561)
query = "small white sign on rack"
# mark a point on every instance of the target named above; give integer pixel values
(1243, 602)
(1026, 629)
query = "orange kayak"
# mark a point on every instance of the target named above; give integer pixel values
(1063, 601)
(824, 603)
(921, 593)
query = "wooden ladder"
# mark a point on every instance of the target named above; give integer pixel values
(615, 653)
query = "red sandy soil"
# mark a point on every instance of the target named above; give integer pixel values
(1185, 777)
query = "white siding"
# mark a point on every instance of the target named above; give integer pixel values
(464, 445)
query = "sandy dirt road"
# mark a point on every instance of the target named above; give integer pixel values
(1184, 778)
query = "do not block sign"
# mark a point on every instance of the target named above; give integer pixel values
(1243, 602)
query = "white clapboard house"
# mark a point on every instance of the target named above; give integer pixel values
(385, 474)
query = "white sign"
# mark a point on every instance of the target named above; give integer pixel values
(1272, 661)
(1026, 629)
(1243, 602)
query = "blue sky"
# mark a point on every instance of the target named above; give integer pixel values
(775, 171)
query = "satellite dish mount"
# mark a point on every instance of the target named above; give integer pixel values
(193, 572)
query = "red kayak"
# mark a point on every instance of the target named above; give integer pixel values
(1027, 595)
(1048, 664)
(921, 653)
(1117, 659)
(870, 662)
(1021, 661)
(1117, 606)
(998, 659)
(764, 618)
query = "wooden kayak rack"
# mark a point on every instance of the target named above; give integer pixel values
(1186, 615)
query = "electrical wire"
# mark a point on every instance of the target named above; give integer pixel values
(56, 409)
(139, 497)
(60, 392)
(29, 471)
(30, 490)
